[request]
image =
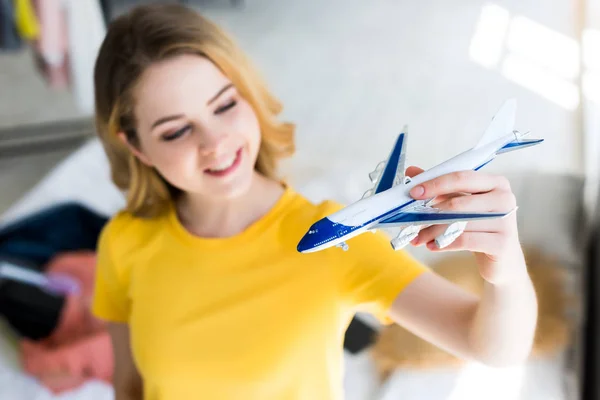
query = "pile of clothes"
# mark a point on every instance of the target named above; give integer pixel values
(47, 269)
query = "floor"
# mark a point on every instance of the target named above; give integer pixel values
(353, 73)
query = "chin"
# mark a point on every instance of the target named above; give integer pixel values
(230, 191)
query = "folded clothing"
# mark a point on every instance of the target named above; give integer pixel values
(40, 236)
(79, 347)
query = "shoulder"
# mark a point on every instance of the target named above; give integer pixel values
(125, 234)
(301, 211)
(122, 244)
(301, 207)
(126, 227)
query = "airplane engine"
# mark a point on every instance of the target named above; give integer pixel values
(450, 234)
(373, 176)
(405, 236)
(376, 173)
(343, 245)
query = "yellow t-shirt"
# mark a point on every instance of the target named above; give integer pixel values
(245, 317)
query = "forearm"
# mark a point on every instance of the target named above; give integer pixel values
(503, 326)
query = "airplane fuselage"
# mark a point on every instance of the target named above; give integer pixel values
(362, 215)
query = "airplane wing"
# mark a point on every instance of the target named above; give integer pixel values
(392, 171)
(424, 215)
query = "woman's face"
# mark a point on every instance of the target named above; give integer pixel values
(195, 128)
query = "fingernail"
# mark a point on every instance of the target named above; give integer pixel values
(431, 245)
(417, 191)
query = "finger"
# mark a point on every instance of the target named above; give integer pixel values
(496, 200)
(479, 242)
(412, 171)
(440, 199)
(428, 234)
(460, 181)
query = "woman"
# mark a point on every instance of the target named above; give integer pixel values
(199, 275)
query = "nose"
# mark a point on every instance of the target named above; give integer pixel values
(212, 144)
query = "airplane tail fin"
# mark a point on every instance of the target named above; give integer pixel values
(502, 123)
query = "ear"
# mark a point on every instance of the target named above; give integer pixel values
(136, 152)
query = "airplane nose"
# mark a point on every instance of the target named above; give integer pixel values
(306, 243)
(303, 244)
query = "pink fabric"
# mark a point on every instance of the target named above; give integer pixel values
(52, 44)
(79, 348)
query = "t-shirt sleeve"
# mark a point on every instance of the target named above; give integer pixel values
(110, 301)
(371, 272)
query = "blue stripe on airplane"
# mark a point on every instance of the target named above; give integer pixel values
(483, 165)
(520, 143)
(426, 217)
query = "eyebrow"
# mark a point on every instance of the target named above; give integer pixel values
(177, 116)
(165, 119)
(220, 92)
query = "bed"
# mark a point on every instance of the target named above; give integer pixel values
(84, 177)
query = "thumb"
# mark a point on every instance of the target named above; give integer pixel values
(412, 171)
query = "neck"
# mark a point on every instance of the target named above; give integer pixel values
(228, 217)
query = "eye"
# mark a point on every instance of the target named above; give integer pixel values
(226, 107)
(176, 134)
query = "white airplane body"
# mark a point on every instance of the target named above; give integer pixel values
(389, 204)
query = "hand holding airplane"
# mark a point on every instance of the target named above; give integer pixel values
(478, 192)
(392, 202)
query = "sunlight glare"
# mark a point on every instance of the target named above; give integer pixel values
(492, 383)
(536, 57)
(488, 41)
(544, 46)
(523, 72)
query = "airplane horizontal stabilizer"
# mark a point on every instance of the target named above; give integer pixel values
(519, 144)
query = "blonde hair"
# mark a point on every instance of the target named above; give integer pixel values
(150, 33)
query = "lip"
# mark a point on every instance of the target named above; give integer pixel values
(230, 170)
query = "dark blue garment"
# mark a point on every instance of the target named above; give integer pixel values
(30, 243)
(36, 238)
(9, 36)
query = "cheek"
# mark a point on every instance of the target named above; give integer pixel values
(172, 159)
(247, 124)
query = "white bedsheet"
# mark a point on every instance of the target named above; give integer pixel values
(84, 177)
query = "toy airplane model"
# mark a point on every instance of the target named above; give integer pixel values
(389, 205)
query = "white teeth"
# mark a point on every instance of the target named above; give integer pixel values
(224, 165)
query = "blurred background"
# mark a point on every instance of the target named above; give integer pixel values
(351, 74)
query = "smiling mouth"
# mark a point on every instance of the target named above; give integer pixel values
(227, 166)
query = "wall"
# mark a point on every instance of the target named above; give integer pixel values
(352, 73)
